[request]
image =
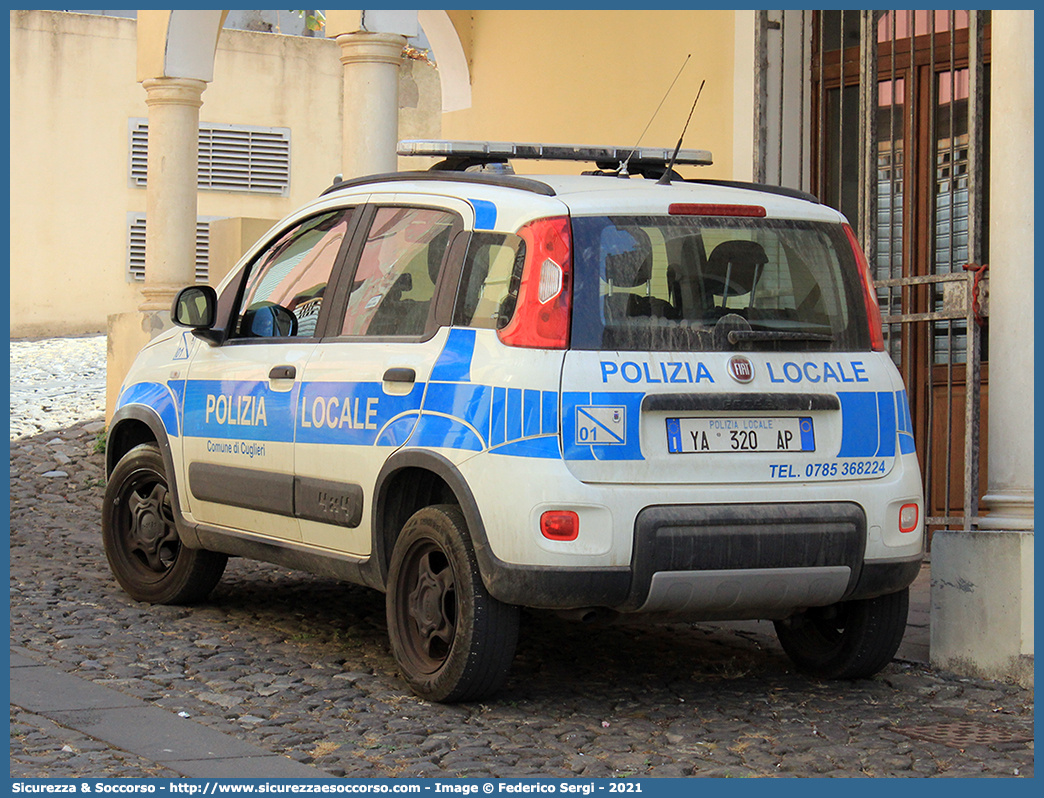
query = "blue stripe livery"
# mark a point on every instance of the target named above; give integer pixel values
(459, 414)
(233, 409)
(356, 414)
(161, 398)
(485, 214)
(452, 412)
(875, 424)
(905, 423)
(454, 363)
(625, 440)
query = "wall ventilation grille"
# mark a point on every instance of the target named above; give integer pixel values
(136, 247)
(255, 160)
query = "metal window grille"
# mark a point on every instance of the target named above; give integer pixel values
(136, 247)
(241, 158)
(901, 150)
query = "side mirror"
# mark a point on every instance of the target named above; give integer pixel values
(268, 320)
(195, 307)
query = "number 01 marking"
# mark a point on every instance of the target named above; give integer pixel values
(600, 424)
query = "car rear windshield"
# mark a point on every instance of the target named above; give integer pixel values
(691, 283)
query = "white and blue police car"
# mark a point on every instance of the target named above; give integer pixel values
(621, 394)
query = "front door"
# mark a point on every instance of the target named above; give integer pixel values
(241, 396)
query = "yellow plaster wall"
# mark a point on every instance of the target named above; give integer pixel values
(69, 170)
(554, 76)
(596, 77)
(74, 86)
(279, 81)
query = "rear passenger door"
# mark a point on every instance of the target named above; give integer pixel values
(363, 386)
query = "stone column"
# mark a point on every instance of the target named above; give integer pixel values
(1009, 496)
(170, 225)
(170, 232)
(982, 581)
(371, 101)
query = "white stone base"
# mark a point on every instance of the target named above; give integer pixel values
(982, 604)
(127, 334)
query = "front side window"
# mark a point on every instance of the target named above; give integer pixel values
(713, 283)
(288, 280)
(398, 270)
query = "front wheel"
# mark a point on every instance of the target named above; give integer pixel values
(141, 541)
(451, 639)
(849, 640)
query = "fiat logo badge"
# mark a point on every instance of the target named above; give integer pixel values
(741, 369)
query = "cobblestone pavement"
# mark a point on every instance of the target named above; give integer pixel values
(300, 665)
(56, 382)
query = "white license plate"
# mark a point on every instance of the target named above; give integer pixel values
(715, 435)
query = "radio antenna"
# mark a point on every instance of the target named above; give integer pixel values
(665, 179)
(622, 171)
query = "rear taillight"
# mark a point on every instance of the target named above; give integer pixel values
(873, 310)
(541, 317)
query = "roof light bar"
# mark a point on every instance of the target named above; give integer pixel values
(502, 150)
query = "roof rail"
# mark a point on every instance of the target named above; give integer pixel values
(767, 188)
(461, 155)
(505, 180)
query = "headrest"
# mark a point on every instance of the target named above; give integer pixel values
(628, 269)
(741, 261)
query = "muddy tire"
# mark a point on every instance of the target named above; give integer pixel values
(850, 640)
(141, 542)
(451, 639)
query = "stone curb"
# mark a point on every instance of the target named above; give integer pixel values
(142, 729)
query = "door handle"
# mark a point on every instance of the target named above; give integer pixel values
(282, 373)
(400, 375)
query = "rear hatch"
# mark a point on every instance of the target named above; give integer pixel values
(719, 347)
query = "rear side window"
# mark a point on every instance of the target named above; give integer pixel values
(398, 270)
(489, 283)
(713, 284)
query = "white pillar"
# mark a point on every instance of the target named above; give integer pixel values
(982, 582)
(1009, 495)
(371, 101)
(170, 230)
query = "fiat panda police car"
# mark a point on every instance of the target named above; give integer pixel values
(620, 393)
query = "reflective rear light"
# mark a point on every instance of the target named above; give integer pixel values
(908, 516)
(705, 209)
(560, 525)
(873, 310)
(550, 281)
(542, 309)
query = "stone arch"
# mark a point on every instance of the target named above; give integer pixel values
(451, 56)
(178, 44)
(183, 43)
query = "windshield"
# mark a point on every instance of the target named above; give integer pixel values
(713, 284)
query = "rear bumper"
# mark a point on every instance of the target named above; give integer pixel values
(725, 561)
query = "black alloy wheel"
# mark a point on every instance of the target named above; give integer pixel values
(451, 639)
(142, 544)
(849, 640)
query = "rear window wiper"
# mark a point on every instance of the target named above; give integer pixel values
(738, 336)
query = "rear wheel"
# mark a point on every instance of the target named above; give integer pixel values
(141, 541)
(850, 640)
(451, 639)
